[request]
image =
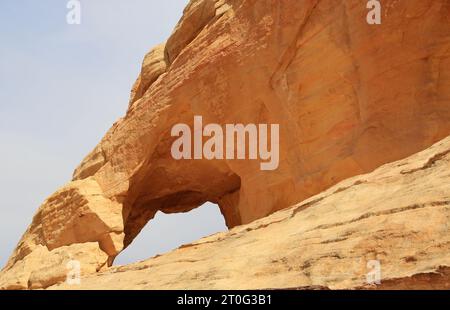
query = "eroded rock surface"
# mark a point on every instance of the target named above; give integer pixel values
(348, 96)
(398, 215)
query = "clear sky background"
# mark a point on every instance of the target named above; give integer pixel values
(61, 87)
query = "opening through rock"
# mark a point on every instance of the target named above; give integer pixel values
(166, 232)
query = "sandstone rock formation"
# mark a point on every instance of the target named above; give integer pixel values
(348, 96)
(398, 215)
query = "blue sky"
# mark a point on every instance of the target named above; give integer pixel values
(61, 87)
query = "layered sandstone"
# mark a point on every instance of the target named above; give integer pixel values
(348, 96)
(399, 215)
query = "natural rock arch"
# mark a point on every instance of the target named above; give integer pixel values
(345, 94)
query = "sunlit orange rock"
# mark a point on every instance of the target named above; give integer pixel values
(348, 97)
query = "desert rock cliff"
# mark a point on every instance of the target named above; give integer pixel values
(397, 216)
(348, 96)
